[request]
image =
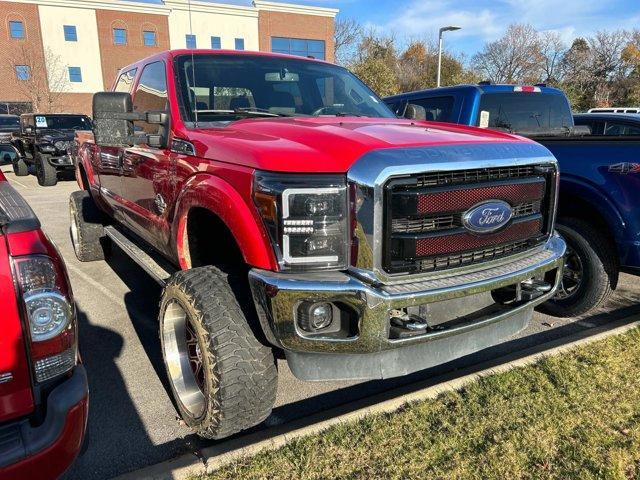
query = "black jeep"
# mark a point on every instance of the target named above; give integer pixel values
(44, 142)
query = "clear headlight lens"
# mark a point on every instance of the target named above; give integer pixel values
(306, 217)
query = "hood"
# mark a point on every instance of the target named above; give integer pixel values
(326, 144)
(58, 136)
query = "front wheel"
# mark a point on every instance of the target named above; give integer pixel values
(45, 172)
(20, 167)
(222, 378)
(590, 271)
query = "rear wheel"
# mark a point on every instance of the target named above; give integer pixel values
(45, 172)
(20, 168)
(590, 271)
(87, 230)
(222, 378)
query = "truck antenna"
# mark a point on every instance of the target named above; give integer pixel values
(193, 73)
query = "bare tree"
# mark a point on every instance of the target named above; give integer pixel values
(347, 34)
(513, 58)
(44, 78)
(552, 51)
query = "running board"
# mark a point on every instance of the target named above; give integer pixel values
(151, 262)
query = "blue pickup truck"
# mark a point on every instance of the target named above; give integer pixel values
(599, 201)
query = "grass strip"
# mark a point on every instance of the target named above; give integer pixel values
(575, 415)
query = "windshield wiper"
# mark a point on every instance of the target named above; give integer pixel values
(349, 114)
(252, 111)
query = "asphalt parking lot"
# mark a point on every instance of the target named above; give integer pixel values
(132, 421)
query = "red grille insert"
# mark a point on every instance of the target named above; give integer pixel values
(446, 244)
(463, 199)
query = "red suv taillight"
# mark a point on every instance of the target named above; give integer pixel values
(49, 313)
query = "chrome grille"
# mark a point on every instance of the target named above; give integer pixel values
(434, 179)
(458, 260)
(453, 220)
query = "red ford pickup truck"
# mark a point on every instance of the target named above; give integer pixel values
(288, 213)
(43, 388)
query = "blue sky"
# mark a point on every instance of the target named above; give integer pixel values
(484, 20)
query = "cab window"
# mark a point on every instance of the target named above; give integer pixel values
(437, 109)
(125, 81)
(151, 95)
(620, 129)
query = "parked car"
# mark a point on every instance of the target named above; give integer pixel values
(43, 142)
(43, 386)
(599, 208)
(9, 124)
(610, 124)
(288, 213)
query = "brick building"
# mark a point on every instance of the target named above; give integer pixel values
(54, 54)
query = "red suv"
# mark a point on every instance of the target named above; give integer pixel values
(43, 387)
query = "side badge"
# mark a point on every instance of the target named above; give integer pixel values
(161, 205)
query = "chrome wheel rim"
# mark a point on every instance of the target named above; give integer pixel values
(183, 357)
(74, 228)
(572, 275)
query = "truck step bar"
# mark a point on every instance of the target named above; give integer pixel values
(151, 262)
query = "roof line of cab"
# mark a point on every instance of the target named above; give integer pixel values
(171, 54)
(482, 87)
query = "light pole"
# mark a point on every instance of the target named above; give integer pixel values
(450, 28)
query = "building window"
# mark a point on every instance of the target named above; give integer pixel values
(239, 43)
(75, 74)
(16, 29)
(216, 44)
(149, 39)
(119, 36)
(23, 72)
(300, 47)
(191, 41)
(70, 33)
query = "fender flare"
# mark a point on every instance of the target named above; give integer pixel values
(212, 193)
(590, 194)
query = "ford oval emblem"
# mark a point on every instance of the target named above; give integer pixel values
(487, 217)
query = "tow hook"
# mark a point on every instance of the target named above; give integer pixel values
(408, 325)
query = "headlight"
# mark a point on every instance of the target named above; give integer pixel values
(306, 217)
(61, 145)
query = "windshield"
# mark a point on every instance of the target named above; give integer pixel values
(9, 122)
(229, 87)
(524, 112)
(63, 122)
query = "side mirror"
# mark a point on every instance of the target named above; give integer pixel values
(112, 119)
(581, 130)
(28, 130)
(415, 112)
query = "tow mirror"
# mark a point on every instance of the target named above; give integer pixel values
(113, 118)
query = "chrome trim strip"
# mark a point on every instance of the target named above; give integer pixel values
(372, 171)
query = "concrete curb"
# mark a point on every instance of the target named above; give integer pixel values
(219, 455)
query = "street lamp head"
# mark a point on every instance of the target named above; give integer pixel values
(450, 28)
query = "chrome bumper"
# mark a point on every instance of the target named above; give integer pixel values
(372, 353)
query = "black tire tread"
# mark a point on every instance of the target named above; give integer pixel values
(90, 230)
(20, 167)
(46, 173)
(243, 368)
(600, 282)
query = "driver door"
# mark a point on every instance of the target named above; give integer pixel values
(146, 171)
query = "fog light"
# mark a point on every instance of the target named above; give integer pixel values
(321, 316)
(317, 317)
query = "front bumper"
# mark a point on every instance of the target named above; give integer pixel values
(372, 353)
(46, 451)
(63, 162)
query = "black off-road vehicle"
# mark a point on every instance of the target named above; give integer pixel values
(44, 142)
